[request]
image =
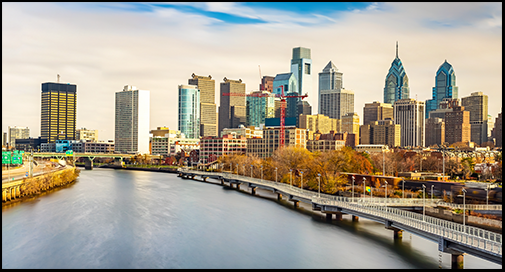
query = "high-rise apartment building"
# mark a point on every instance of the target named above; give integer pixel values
(232, 111)
(350, 124)
(267, 84)
(131, 131)
(457, 125)
(477, 105)
(189, 111)
(397, 82)
(18, 133)
(497, 131)
(58, 111)
(377, 111)
(384, 132)
(409, 114)
(208, 114)
(86, 134)
(301, 67)
(259, 105)
(445, 87)
(435, 131)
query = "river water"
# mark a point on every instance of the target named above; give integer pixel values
(135, 219)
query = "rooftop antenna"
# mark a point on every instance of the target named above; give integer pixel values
(396, 49)
(58, 78)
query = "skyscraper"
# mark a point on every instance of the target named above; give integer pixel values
(189, 111)
(397, 82)
(301, 68)
(287, 81)
(477, 105)
(409, 113)
(445, 87)
(58, 111)
(232, 111)
(435, 131)
(131, 131)
(267, 83)
(208, 114)
(497, 131)
(329, 79)
(18, 133)
(350, 123)
(457, 125)
(334, 100)
(377, 111)
(259, 107)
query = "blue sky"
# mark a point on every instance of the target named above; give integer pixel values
(156, 46)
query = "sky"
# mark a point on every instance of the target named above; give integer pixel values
(101, 47)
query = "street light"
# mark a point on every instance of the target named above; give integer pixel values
(352, 196)
(275, 174)
(262, 172)
(301, 179)
(237, 168)
(251, 170)
(423, 200)
(231, 167)
(383, 164)
(464, 212)
(487, 196)
(432, 191)
(319, 184)
(364, 179)
(290, 177)
(386, 186)
(403, 188)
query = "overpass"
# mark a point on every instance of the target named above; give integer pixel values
(453, 238)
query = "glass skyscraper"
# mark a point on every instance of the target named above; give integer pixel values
(189, 111)
(397, 82)
(445, 87)
(301, 67)
(288, 81)
(334, 100)
(259, 107)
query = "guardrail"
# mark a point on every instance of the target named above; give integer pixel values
(472, 206)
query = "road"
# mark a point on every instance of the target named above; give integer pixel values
(20, 172)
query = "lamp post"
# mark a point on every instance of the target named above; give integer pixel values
(383, 164)
(237, 168)
(251, 170)
(301, 179)
(243, 169)
(275, 174)
(319, 184)
(487, 196)
(352, 196)
(386, 186)
(231, 167)
(262, 172)
(403, 188)
(443, 165)
(364, 179)
(290, 177)
(464, 212)
(424, 187)
(432, 191)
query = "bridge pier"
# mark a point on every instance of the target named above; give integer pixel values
(338, 216)
(204, 178)
(237, 186)
(253, 190)
(4, 195)
(88, 163)
(355, 218)
(398, 234)
(295, 203)
(328, 216)
(457, 261)
(279, 196)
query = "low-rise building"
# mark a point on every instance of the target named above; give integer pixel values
(265, 147)
(372, 148)
(87, 146)
(212, 147)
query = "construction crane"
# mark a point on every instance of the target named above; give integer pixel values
(282, 107)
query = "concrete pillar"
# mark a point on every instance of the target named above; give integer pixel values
(457, 261)
(4, 195)
(398, 234)
(13, 192)
(328, 216)
(279, 196)
(88, 164)
(355, 218)
(222, 182)
(238, 186)
(338, 216)
(18, 191)
(253, 190)
(204, 178)
(295, 204)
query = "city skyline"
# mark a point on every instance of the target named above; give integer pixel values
(101, 47)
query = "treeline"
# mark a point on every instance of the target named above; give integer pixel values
(35, 186)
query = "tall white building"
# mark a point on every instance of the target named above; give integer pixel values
(132, 121)
(409, 113)
(301, 67)
(86, 134)
(18, 133)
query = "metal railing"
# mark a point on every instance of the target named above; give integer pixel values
(472, 206)
(464, 234)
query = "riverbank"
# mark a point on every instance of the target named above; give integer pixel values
(127, 167)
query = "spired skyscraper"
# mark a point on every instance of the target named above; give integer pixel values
(132, 121)
(397, 82)
(445, 87)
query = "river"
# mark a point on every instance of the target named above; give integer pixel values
(137, 219)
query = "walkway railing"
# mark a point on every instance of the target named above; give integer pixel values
(472, 206)
(464, 234)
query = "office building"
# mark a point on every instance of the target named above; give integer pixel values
(232, 111)
(445, 87)
(377, 111)
(350, 123)
(497, 131)
(266, 146)
(302, 107)
(287, 81)
(189, 111)
(88, 146)
(301, 68)
(318, 123)
(30, 143)
(349, 139)
(409, 114)
(86, 134)
(477, 105)
(163, 131)
(267, 84)
(58, 111)
(490, 126)
(208, 114)
(435, 131)
(457, 125)
(446, 105)
(212, 147)
(131, 130)
(397, 82)
(248, 132)
(329, 79)
(18, 133)
(384, 132)
(336, 103)
(259, 105)
(4, 139)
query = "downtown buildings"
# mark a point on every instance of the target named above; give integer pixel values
(17, 133)
(58, 111)
(445, 87)
(409, 114)
(397, 82)
(334, 100)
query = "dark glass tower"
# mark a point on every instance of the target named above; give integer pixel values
(397, 82)
(58, 111)
(445, 87)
